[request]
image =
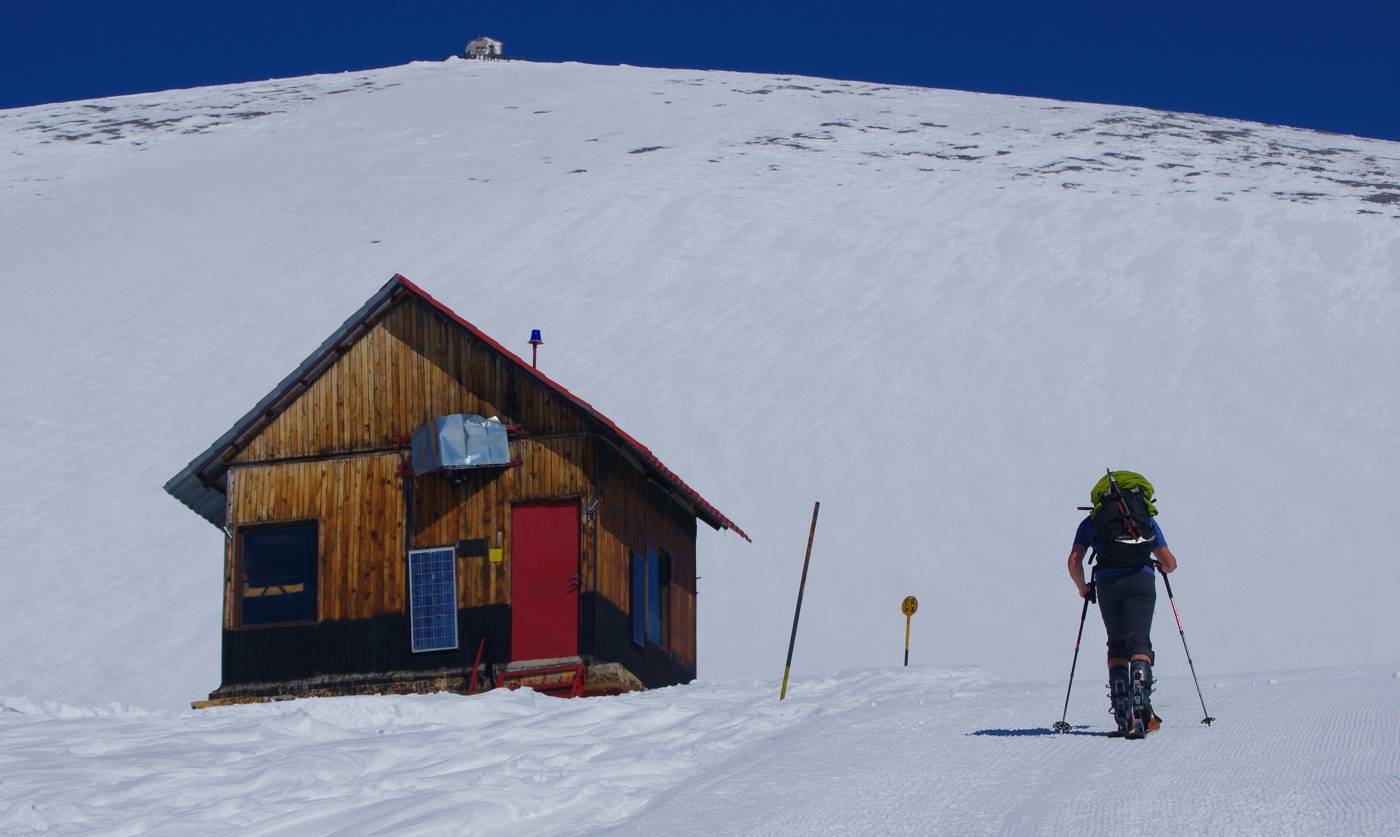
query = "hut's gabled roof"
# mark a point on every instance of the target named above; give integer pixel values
(201, 484)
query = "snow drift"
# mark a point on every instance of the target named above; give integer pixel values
(942, 314)
(890, 751)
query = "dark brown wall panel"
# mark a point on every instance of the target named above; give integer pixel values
(633, 515)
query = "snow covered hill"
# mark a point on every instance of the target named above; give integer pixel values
(942, 314)
(890, 751)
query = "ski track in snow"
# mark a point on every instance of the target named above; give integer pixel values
(915, 751)
(1315, 753)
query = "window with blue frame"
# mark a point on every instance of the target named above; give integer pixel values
(639, 600)
(279, 573)
(658, 580)
(651, 578)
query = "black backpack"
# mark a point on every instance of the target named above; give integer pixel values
(1123, 533)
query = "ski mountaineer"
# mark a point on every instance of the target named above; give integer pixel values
(1122, 530)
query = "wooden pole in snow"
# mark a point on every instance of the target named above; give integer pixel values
(792, 641)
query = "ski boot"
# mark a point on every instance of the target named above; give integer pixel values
(1120, 694)
(1143, 720)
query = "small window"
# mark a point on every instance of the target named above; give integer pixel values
(658, 584)
(279, 574)
(639, 600)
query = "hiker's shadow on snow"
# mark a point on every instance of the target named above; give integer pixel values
(1020, 733)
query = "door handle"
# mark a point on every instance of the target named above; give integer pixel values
(573, 584)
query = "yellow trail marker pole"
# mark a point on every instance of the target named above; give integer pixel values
(792, 641)
(907, 621)
(908, 607)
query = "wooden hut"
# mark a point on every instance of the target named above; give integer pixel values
(566, 563)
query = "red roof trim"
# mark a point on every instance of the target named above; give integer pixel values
(636, 447)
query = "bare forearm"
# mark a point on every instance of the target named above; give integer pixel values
(1075, 565)
(1165, 559)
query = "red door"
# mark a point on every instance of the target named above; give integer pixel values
(544, 579)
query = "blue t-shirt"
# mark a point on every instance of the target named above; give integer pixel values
(1084, 536)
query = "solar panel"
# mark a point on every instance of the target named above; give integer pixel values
(432, 593)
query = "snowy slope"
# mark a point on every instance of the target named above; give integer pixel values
(921, 307)
(895, 751)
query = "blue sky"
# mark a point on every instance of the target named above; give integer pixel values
(1330, 66)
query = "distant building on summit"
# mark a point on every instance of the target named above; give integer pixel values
(484, 48)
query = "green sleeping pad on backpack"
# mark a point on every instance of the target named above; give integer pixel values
(1127, 481)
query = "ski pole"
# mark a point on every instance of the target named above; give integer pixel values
(1060, 725)
(1171, 598)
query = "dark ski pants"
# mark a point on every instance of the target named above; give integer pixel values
(1126, 604)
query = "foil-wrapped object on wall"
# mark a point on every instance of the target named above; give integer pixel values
(462, 440)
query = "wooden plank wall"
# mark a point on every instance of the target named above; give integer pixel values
(478, 507)
(358, 503)
(414, 365)
(634, 514)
